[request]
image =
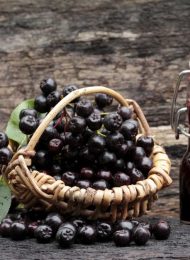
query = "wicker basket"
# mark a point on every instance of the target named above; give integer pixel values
(35, 189)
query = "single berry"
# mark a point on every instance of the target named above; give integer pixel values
(147, 143)
(18, 231)
(87, 234)
(68, 224)
(124, 149)
(125, 112)
(4, 141)
(161, 230)
(114, 141)
(107, 159)
(55, 145)
(129, 130)
(28, 124)
(75, 140)
(103, 174)
(136, 175)
(77, 125)
(102, 100)
(41, 158)
(137, 153)
(141, 235)
(124, 225)
(104, 231)
(84, 108)
(100, 185)
(129, 167)
(48, 85)
(69, 178)
(122, 237)
(53, 98)
(40, 104)
(83, 184)
(68, 89)
(55, 170)
(49, 133)
(86, 173)
(78, 223)
(5, 229)
(112, 122)
(31, 227)
(145, 165)
(94, 121)
(5, 155)
(28, 112)
(120, 179)
(119, 165)
(65, 236)
(43, 234)
(86, 156)
(54, 220)
(96, 144)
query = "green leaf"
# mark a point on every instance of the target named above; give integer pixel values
(5, 199)
(12, 130)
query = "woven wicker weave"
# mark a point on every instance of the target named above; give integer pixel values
(35, 188)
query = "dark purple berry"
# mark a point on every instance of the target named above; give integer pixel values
(54, 220)
(5, 229)
(40, 104)
(161, 230)
(5, 155)
(141, 235)
(53, 98)
(69, 178)
(48, 85)
(107, 159)
(83, 184)
(94, 121)
(86, 173)
(129, 130)
(49, 133)
(31, 227)
(129, 167)
(125, 112)
(137, 153)
(65, 236)
(124, 225)
(119, 165)
(102, 100)
(87, 234)
(55, 170)
(55, 145)
(136, 175)
(84, 108)
(112, 122)
(96, 144)
(103, 174)
(28, 112)
(78, 223)
(68, 89)
(41, 158)
(43, 234)
(145, 165)
(122, 237)
(147, 143)
(100, 185)
(121, 179)
(77, 125)
(18, 231)
(104, 231)
(114, 141)
(4, 141)
(28, 124)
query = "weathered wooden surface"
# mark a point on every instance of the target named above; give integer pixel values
(136, 47)
(176, 247)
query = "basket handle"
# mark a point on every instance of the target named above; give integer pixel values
(77, 93)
